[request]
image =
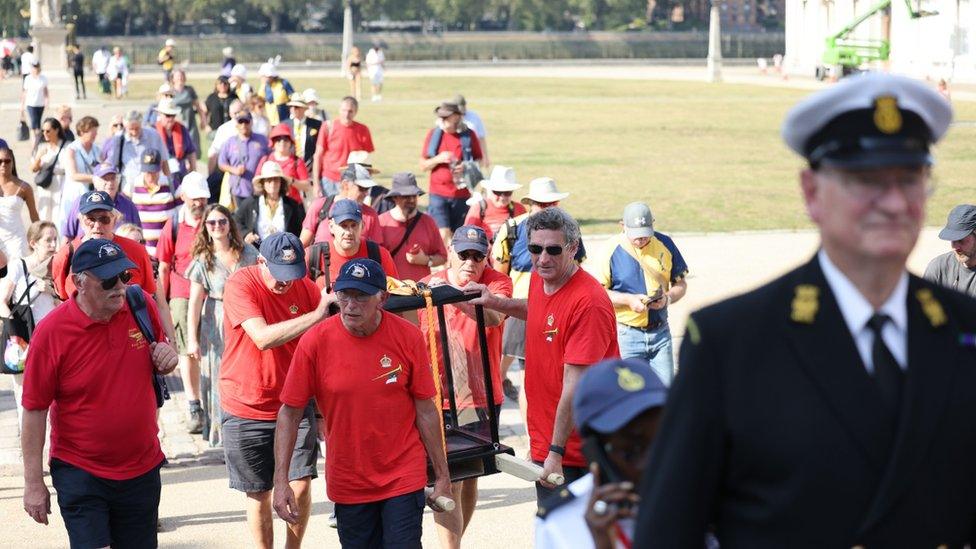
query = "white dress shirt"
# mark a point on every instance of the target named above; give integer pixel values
(857, 311)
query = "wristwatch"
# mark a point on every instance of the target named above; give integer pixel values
(561, 450)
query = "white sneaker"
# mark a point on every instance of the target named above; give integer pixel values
(333, 523)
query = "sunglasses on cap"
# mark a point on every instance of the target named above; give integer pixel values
(109, 283)
(536, 249)
(472, 255)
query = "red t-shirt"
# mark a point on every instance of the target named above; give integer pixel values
(441, 178)
(179, 285)
(292, 167)
(371, 222)
(141, 275)
(425, 235)
(337, 141)
(365, 388)
(575, 325)
(494, 216)
(251, 379)
(469, 382)
(337, 260)
(97, 380)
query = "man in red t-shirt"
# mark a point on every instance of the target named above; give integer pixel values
(410, 235)
(569, 325)
(336, 139)
(174, 258)
(355, 185)
(467, 262)
(97, 218)
(496, 207)
(266, 308)
(90, 364)
(346, 224)
(369, 373)
(457, 144)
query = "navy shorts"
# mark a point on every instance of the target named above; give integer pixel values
(249, 451)
(393, 523)
(34, 115)
(447, 212)
(99, 512)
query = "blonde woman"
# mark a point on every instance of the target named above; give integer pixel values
(29, 280)
(354, 72)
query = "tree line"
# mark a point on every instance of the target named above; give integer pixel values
(146, 17)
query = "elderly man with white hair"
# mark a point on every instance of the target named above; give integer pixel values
(125, 151)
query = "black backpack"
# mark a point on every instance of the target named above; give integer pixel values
(319, 260)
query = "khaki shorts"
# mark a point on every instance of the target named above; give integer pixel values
(179, 308)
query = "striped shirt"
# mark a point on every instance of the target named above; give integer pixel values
(155, 207)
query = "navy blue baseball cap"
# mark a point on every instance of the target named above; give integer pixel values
(102, 258)
(344, 210)
(469, 237)
(613, 392)
(361, 274)
(95, 200)
(152, 161)
(285, 256)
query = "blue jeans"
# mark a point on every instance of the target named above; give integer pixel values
(329, 187)
(653, 346)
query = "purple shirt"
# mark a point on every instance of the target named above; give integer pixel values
(130, 214)
(237, 152)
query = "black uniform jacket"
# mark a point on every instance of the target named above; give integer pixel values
(774, 433)
(312, 127)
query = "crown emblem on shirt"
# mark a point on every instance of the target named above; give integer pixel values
(386, 362)
(358, 271)
(629, 380)
(805, 304)
(293, 309)
(108, 250)
(887, 117)
(550, 320)
(288, 255)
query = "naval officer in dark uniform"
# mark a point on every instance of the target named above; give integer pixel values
(835, 406)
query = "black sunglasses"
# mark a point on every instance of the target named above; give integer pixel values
(471, 254)
(222, 222)
(6, 160)
(536, 249)
(502, 193)
(243, 120)
(109, 283)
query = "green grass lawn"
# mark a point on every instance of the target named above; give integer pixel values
(705, 157)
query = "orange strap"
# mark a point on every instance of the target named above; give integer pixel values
(435, 365)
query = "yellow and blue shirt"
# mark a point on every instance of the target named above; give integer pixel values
(626, 269)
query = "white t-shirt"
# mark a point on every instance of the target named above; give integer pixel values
(42, 303)
(100, 61)
(34, 87)
(26, 60)
(375, 60)
(268, 223)
(474, 122)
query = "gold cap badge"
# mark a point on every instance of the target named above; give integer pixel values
(628, 380)
(887, 117)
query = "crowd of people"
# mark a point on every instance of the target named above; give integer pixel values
(264, 282)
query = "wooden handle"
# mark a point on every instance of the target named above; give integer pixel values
(525, 470)
(443, 502)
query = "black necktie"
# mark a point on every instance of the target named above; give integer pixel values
(887, 373)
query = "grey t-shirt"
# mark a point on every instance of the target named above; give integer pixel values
(947, 271)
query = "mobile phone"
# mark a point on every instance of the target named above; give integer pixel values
(594, 453)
